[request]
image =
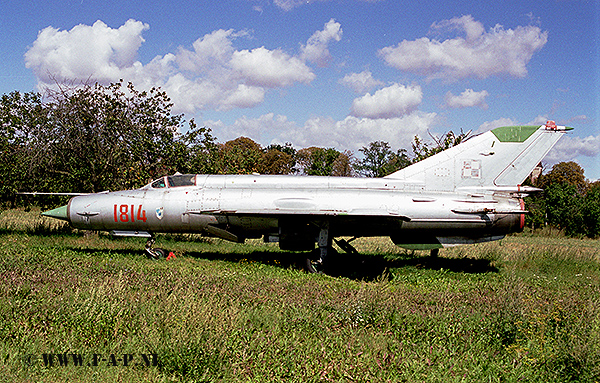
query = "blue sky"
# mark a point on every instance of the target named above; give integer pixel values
(333, 73)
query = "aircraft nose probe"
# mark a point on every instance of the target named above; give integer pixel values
(58, 213)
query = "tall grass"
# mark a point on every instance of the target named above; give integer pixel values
(523, 309)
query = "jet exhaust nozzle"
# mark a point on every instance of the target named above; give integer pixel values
(58, 213)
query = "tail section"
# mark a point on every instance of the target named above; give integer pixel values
(502, 157)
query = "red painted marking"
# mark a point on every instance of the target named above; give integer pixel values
(522, 221)
(141, 215)
(125, 213)
(124, 210)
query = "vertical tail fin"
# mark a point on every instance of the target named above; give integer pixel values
(501, 157)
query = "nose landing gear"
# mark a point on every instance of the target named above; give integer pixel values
(154, 254)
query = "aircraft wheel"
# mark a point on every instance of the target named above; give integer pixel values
(314, 264)
(156, 254)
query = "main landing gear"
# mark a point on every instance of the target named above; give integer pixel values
(320, 259)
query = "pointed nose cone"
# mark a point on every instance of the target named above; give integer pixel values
(58, 213)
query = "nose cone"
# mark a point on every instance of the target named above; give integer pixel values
(58, 213)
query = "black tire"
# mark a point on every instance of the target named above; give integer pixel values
(315, 265)
(156, 254)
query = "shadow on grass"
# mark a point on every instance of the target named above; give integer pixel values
(356, 266)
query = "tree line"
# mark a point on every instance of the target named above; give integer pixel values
(93, 137)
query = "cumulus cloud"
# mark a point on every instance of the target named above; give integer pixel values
(269, 68)
(316, 48)
(212, 74)
(265, 129)
(478, 54)
(569, 147)
(466, 99)
(96, 51)
(360, 82)
(393, 101)
(351, 133)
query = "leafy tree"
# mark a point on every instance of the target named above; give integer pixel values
(571, 202)
(342, 165)
(20, 116)
(276, 159)
(563, 208)
(569, 173)
(202, 150)
(106, 138)
(591, 211)
(316, 161)
(239, 156)
(422, 150)
(379, 160)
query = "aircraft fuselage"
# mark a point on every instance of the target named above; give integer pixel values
(292, 209)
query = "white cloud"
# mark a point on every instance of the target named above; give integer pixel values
(393, 101)
(354, 132)
(351, 133)
(212, 50)
(489, 125)
(264, 129)
(316, 48)
(96, 51)
(288, 5)
(569, 147)
(213, 74)
(466, 99)
(479, 54)
(271, 69)
(360, 82)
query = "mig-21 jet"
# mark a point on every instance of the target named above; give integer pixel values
(467, 194)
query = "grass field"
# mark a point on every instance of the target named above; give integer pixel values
(526, 308)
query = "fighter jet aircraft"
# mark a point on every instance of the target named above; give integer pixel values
(467, 194)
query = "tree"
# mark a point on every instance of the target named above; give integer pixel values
(21, 115)
(591, 211)
(239, 156)
(202, 150)
(423, 150)
(379, 160)
(314, 161)
(342, 165)
(277, 159)
(571, 202)
(563, 208)
(106, 138)
(569, 173)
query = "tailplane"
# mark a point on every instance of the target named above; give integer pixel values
(500, 158)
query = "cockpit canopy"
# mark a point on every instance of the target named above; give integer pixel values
(175, 180)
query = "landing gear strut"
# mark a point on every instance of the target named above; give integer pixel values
(317, 260)
(346, 246)
(157, 253)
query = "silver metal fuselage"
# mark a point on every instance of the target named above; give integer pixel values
(289, 209)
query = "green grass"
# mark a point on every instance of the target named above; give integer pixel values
(526, 308)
